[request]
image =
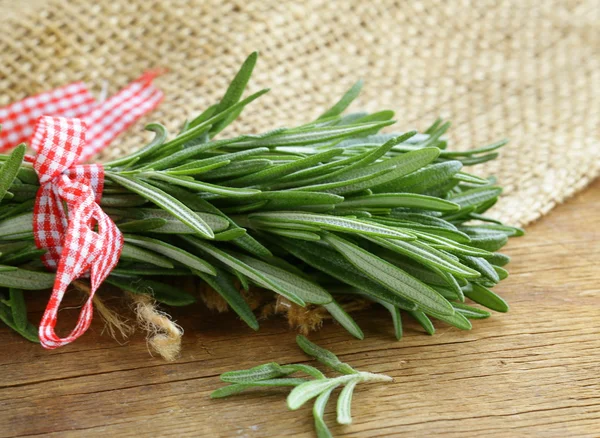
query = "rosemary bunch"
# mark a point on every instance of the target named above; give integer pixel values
(333, 207)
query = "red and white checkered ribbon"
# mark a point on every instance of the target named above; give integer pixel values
(73, 246)
(106, 120)
(61, 141)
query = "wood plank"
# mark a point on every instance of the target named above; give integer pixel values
(533, 371)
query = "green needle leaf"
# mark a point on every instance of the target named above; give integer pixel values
(428, 256)
(199, 129)
(10, 168)
(376, 154)
(307, 369)
(334, 223)
(26, 279)
(18, 308)
(295, 234)
(311, 136)
(228, 390)
(476, 196)
(142, 225)
(498, 259)
(282, 282)
(303, 393)
(236, 388)
(457, 320)
(235, 169)
(147, 151)
(423, 321)
(394, 200)
(391, 277)
(319, 412)
(233, 234)
(423, 179)
(344, 404)
(17, 226)
(307, 291)
(165, 201)
(402, 165)
(172, 225)
(172, 252)
(273, 173)
(198, 186)
(483, 266)
(261, 372)
(246, 241)
(345, 320)
(344, 102)
(484, 296)
(502, 273)
(29, 332)
(471, 312)
(226, 157)
(395, 313)
(347, 185)
(222, 283)
(235, 90)
(326, 357)
(131, 252)
(198, 170)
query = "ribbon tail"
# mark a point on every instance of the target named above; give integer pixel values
(48, 338)
(83, 249)
(19, 119)
(108, 118)
(115, 115)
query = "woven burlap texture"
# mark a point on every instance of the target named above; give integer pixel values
(528, 70)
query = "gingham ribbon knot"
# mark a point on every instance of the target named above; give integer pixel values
(73, 246)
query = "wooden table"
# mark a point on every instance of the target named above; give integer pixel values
(532, 372)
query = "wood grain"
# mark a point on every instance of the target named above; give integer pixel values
(532, 372)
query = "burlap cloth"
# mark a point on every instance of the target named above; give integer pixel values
(528, 70)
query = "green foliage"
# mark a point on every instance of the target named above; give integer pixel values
(319, 388)
(13, 312)
(332, 207)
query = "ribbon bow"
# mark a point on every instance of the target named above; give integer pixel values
(73, 246)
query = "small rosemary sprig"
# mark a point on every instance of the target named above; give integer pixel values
(319, 387)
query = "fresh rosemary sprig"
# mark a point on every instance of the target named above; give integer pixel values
(319, 387)
(314, 213)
